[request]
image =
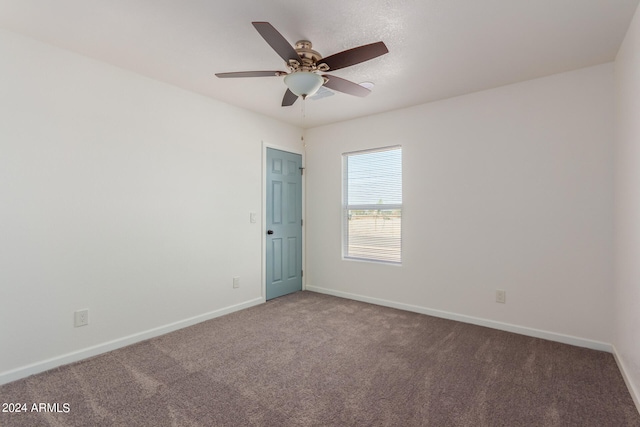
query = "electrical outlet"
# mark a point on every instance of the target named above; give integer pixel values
(501, 296)
(81, 318)
(236, 282)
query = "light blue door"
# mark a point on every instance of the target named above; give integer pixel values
(284, 223)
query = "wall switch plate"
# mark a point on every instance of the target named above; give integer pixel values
(81, 318)
(252, 217)
(236, 282)
(501, 296)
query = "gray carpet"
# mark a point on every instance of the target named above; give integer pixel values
(308, 359)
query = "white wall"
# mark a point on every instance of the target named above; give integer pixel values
(627, 208)
(122, 195)
(509, 188)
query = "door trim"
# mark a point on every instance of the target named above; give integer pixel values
(263, 210)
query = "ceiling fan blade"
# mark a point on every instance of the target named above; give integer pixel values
(249, 74)
(354, 56)
(276, 41)
(289, 98)
(345, 86)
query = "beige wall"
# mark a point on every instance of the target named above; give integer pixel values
(627, 207)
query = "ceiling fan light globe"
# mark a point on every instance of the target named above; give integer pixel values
(303, 83)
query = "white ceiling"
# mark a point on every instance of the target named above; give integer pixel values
(437, 48)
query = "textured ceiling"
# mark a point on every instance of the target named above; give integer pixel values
(437, 48)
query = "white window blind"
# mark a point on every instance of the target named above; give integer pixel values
(372, 205)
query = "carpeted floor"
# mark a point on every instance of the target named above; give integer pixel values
(309, 359)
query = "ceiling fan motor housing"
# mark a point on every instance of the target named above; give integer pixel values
(309, 58)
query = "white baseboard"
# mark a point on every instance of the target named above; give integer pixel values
(45, 365)
(522, 330)
(633, 391)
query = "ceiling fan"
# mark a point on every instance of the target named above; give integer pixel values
(306, 66)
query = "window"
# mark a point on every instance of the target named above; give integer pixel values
(372, 205)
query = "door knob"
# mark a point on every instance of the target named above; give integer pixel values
(269, 231)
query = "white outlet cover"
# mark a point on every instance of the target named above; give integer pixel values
(81, 318)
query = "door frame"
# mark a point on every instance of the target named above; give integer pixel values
(263, 210)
